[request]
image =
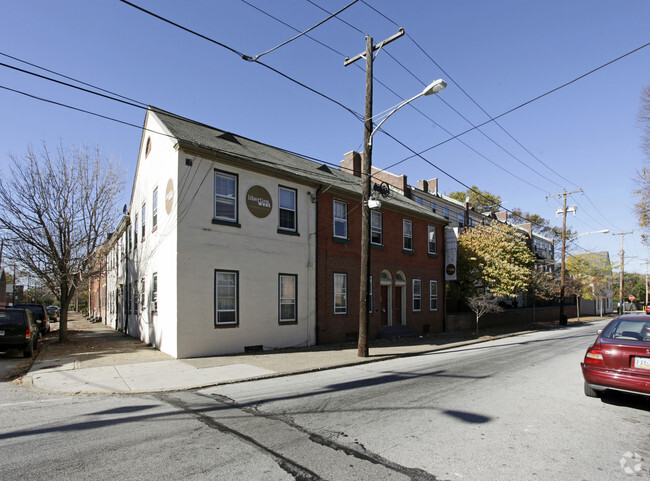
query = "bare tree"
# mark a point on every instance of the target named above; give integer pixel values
(55, 210)
(481, 304)
(642, 206)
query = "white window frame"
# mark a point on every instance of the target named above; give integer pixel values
(340, 220)
(417, 295)
(154, 209)
(143, 304)
(229, 199)
(235, 296)
(341, 289)
(144, 219)
(432, 230)
(433, 295)
(407, 234)
(293, 210)
(154, 292)
(374, 230)
(284, 300)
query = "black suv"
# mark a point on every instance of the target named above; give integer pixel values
(18, 330)
(42, 319)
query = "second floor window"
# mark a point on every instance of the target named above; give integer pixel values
(225, 196)
(287, 209)
(340, 219)
(144, 218)
(376, 227)
(433, 245)
(407, 228)
(154, 209)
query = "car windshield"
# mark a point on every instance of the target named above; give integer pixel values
(632, 329)
(35, 308)
(11, 317)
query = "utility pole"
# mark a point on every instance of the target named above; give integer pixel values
(366, 166)
(564, 194)
(620, 278)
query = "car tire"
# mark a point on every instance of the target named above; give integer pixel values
(29, 350)
(591, 392)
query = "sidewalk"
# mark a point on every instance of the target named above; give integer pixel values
(99, 359)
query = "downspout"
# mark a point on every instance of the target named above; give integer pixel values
(314, 200)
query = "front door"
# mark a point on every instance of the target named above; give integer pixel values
(397, 306)
(384, 305)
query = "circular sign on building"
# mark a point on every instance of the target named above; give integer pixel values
(451, 269)
(258, 201)
(169, 196)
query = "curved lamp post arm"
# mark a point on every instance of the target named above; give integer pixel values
(432, 88)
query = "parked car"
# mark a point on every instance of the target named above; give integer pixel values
(647, 309)
(53, 313)
(18, 330)
(42, 319)
(619, 359)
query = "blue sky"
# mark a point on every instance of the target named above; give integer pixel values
(501, 53)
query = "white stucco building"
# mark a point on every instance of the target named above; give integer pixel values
(217, 252)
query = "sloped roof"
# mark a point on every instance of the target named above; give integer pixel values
(257, 155)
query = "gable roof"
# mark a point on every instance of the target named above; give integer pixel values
(246, 153)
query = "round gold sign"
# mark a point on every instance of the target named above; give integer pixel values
(169, 196)
(258, 201)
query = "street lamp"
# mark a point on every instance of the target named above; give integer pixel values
(603, 231)
(367, 202)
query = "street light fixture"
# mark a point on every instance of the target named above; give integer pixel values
(603, 231)
(369, 203)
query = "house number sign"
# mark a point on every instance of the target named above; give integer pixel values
(258, 201)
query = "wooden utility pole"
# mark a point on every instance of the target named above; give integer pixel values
(366, 170)
(563, 318)
(620, 277)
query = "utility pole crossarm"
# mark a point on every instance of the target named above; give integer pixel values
(378, 46)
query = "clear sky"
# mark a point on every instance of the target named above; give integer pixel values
(501, 53)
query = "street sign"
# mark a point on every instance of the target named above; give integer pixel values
(631, 298)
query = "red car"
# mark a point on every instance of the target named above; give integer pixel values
(619, 359)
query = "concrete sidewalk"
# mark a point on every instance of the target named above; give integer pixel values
(99, 359)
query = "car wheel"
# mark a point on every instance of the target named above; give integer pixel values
(29, 350)
(591, 392)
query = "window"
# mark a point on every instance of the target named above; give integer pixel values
(288, 219)
(288, 298)
(433, 295)
(340, 219)
(135, 297)
(128, 298)
(433, 244)
(417, 294)
(407, 229)
(154, 292)
(135, 232)
(376, 228)
(461, 219)
(340, 293)
(144, 218)
(142, 291)
(225, 196)
(154, 209)
(445, 212)
(226, 287)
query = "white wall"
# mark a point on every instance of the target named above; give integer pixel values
(157, 252)
(255, 250)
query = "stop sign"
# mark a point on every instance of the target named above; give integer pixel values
(631, 298)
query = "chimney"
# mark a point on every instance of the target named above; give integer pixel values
(351, 163)
(433, 183)
(423, 185)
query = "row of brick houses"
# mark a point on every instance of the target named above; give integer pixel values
(231, 245)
